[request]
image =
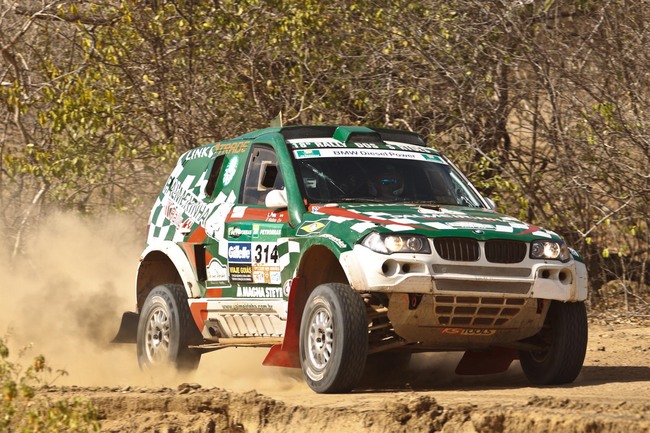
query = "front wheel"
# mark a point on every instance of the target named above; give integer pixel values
(563, 346)
(333, 338)
(166, 329)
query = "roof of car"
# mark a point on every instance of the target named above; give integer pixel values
(342, 133)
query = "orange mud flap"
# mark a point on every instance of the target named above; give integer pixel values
(128, 328)
(495, 360)
(287, 353)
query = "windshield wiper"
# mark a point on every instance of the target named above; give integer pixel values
(361, 199)
(324, 177)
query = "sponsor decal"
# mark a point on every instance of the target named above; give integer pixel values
(256, 262)
(230, 170)
(435, 158)
(286, 287)
(478, 332)
(246, 307)
(266, 268)
(339, 243)
(235, 232)
(241, 273)
(229, 148)
(266, 275)
(199, 152)
(175, 216)
(471, 225)
(195, 209)
(358, 153)
(411, 147)
(311, 153)
(239, 252)
(311, 228)
(302, 143)
(265, 232)
(216, 271)
(259, 292)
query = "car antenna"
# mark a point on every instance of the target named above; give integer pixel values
(277, 122)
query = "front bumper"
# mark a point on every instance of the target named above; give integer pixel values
(369, 271)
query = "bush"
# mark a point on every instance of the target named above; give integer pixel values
(24, 409)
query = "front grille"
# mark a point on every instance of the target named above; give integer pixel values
(457, 249)
(475, 310)
(512, 287)
(504, 251)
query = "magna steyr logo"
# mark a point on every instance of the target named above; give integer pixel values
(239, 252)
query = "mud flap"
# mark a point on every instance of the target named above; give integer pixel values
(128, 328)
(286, 354)
(496, 360)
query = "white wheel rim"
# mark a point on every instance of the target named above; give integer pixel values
(320, 339)
(157, 335)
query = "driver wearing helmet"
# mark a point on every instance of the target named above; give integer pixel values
(387, 184)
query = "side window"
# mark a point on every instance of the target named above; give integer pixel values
(262, 175)
(214, 175)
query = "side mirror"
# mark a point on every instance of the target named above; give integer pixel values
(491, 204)
(276, 199)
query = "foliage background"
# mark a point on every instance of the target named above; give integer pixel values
(543, 103)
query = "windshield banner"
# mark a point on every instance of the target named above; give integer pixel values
(365, 153)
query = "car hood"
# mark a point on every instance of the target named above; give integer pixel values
(351, 222)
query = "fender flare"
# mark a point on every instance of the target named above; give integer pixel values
(179, 259)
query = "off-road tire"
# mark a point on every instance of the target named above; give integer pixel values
(564, 337)
(166, 329)
(333, 338)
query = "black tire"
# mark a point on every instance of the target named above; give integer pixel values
(333, 338)
(564, 337)
(166, 329)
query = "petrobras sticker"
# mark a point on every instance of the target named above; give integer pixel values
(362, 153)
(239, 252)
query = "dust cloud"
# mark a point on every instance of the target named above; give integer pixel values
(65, 294)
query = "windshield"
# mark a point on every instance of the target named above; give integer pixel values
(337, 175)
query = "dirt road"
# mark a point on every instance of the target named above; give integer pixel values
(65, 296)
(612, 394)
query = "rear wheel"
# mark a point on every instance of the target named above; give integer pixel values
(166, 329)
(333, 338)
(563, 346)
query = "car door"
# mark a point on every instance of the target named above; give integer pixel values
(253, 230)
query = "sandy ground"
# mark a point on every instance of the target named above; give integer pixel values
(231, 391)
(64, 298)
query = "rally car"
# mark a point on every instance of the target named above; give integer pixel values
(333, 245)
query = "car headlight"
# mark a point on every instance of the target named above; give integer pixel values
(550, 250)
(388, 243)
